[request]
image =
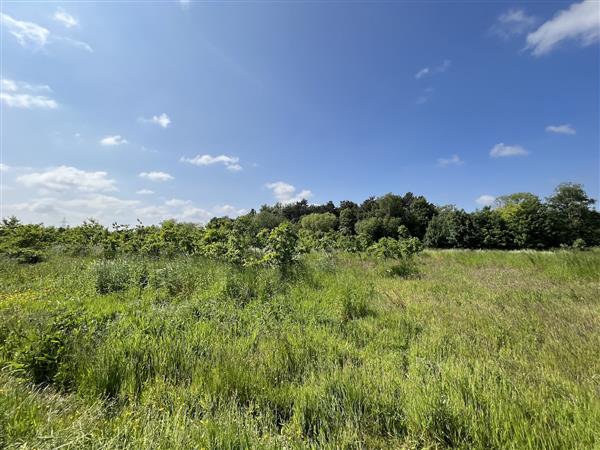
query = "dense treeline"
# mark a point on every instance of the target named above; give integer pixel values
(389, 226)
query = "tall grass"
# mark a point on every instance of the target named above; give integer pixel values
(482, 350)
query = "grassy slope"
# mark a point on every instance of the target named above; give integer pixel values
(482, 350)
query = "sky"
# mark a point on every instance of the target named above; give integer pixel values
(149, 110)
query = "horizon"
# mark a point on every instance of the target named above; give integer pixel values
(191, 110)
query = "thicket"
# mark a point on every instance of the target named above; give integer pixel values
(390, 226)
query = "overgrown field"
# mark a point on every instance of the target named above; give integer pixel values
(469, 349)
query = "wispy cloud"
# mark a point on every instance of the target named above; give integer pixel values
(32, 35)
(230, 162)
(111, 141)
(485, 200)
(580, 22)
(163, 120)
(286, 193)
(64, 178)
(445, 65)
(18, 94)
(511, 23)
(144, 192)
(561, 129)
(75, 43)
(156, 176)
(502, 150)
(421, 73)
(425, 96)
(27, 33)
(65, 18)
(454, 160)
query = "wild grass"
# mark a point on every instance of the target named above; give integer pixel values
(464, 349)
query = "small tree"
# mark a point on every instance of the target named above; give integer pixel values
(281, 247)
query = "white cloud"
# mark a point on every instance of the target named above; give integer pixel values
(19, 86)
(425, 96)
(163, 120)
(445, 65)
(31, 35)
(177, 202)
(485, 200)
(228, 210)
(286, 193)
(75, 43)
(26, 33)
(193, 214)
(230, 162)
(561, 129)
(501, 150)
(8, 85)
(513, 22)
(27, 101)
(421, 73)
(65, 18)
(18, 94)
(109, 141)
(156, 176)
(92, 205)
(99, 202)
(454, 160)
(144, 192)
(4, 167)
(64, 178)
(580, 22)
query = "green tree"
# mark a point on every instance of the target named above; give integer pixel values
(572, 215)
(450, 228)
(319, 222)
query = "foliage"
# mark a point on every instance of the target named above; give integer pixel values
(280, 247)
(351, 352)
(319, 222)
(111, 275)
(517, 221)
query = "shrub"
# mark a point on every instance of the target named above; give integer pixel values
(404, 268)
(173, 278)
(112, 275)
(389, 248)
(281, 247)
(316, 222)
(579, 244)
(40, 355)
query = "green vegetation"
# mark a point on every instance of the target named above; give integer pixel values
(444, 349)
(391, 225)
(307, 326)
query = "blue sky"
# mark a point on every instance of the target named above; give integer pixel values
(150, 110)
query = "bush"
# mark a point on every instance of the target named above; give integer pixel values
(26, 255)
(389, 248)
(579, 244)
(112, 275)
(316, 222)
(281, 247)
(173, 278)
(404, 268)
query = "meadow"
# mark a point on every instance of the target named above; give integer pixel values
(458, 349)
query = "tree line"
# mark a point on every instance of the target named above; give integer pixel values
(389, 226)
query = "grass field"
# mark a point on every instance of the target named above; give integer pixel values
(476, 350)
